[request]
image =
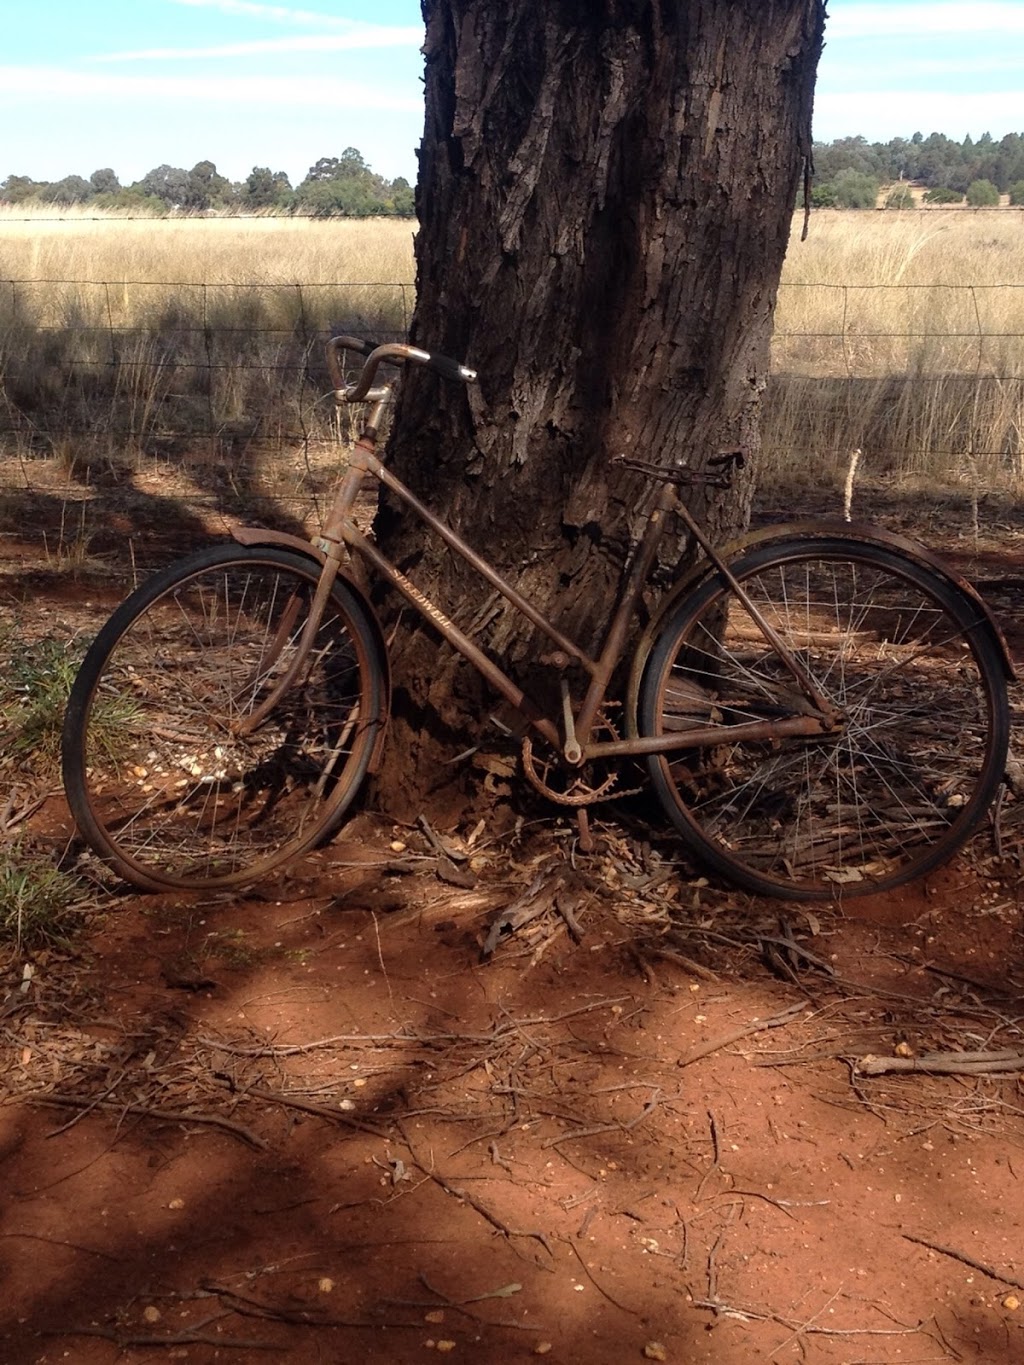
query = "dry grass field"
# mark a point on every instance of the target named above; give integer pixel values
(231, 253)
(898, 335)
(128, 341)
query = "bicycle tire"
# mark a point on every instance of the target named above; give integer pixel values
(159, 784)
(909, 661)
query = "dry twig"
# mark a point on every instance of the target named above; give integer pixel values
(160, 1115)
(964, 1259)
(944, 1064)
(695, 1054)
(466, 1198)
(320, 1110)
(127, 1340)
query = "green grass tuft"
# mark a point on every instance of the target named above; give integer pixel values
(36, 682)
(38, 902)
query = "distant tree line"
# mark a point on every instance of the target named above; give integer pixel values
(851, 172)
(336, 186)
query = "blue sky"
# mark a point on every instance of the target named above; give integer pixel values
(133, 84)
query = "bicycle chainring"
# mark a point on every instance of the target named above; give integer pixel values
(576, 786)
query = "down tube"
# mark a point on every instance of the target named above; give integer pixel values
(498, 679)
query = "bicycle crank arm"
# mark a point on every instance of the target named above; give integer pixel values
(572, 752)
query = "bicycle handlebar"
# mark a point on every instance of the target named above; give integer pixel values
(392, 353)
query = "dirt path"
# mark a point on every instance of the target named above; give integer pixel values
(313, 1125)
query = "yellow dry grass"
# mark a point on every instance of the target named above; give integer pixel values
(259, 250)
(896, 333)
(899, 335)
(127, 273)
(887, 293)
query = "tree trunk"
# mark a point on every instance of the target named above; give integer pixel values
(605, 196)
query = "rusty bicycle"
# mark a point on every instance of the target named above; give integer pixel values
(822, 708)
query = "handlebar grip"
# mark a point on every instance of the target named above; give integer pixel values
(450, 369)
(391, 353)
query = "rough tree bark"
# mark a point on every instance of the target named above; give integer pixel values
(605, 197)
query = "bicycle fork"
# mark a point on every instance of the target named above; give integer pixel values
(332, 544)
(328, 573)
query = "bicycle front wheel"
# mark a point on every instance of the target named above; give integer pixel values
(914, 672)
(162, 778)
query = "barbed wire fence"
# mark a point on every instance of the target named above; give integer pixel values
(923, 379)
(219, 393)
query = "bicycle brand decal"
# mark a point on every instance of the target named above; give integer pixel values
(424, 603)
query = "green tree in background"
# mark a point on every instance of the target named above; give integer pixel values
(982, 194)
(104, 181)
(848, 174)
(266, 189)
(168, 183)
(846, 154)
(901, 198)
(935, 162)
(17, 188)
(403, 198)
(203, 187)
(343, 185)
(856, 190)
(71, 190)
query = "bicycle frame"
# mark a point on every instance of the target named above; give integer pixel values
(788, 794)
(576, 744)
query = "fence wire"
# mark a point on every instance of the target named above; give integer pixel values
(226, 382)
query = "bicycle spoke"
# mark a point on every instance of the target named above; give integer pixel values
(185, 797)
(908, 767)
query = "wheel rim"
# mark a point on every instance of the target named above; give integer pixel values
(899, 784)
(175, 793)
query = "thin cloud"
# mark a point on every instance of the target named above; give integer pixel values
(50, 84)
(923, 20)
(277, 14)
(853, 73)
(312, 42)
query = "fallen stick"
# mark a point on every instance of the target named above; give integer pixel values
(943, 1064)
(125, 1341)
(601, 1128)
(464, 1197)
(320, 1110)
(245, 1306)
(964, 1259)
(755, 1026)
(161, 1115)
(687, 963)
(728, 1310)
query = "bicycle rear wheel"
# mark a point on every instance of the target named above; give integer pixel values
(912, 667)
(159, 780)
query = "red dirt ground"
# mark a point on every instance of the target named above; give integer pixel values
(310, 1124)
